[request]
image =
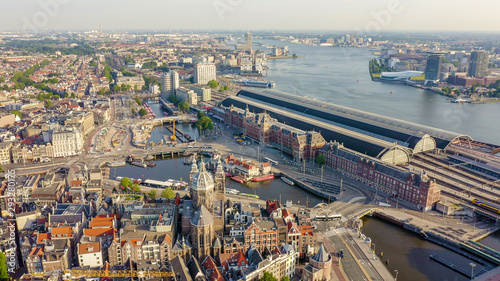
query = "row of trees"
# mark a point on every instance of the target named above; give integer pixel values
(375, 67)
(127, 185)
(181, 105)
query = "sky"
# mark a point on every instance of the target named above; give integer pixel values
(326, 15)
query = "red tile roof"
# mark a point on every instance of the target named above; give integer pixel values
(60, 231)
(42, 236)
(87, 248)
(227, 259)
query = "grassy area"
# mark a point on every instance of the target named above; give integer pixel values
(418, 78)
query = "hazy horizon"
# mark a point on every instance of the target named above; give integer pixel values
(280, 15)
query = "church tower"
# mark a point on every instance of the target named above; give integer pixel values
(194, 171)
(202, 188)
(220, 182)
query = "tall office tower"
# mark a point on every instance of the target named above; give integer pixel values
(169, 83)
(248, 43)
(433, 67)
(478, 65)
(204, 73)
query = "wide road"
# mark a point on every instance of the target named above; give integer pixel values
(349, 262)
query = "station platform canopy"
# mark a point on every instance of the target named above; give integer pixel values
(417, 137)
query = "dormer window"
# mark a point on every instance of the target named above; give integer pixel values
(91, 249)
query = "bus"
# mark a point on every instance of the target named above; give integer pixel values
(274, 163)
(333, 217)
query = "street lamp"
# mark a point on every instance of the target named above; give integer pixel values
(374, 248)
(396, 279)
(472, 273)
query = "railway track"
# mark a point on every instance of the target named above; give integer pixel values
(457, 184)
(443, 164)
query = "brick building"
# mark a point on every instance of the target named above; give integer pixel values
(263, 128)
(410, 186)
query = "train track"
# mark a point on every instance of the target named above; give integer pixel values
(456, 183)
(443, 164)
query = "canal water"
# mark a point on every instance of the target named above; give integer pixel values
(175, 169)
(409, 254)
(340, 76)
(160, 131)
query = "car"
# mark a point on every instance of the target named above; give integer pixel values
(341, 254)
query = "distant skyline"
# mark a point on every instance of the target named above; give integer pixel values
(367, 16)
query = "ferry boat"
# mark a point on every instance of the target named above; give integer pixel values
(238, 179)
(263, 178)
(255, 83)
(116, 164)
(232, 191)
(250, 195)
(287, 181)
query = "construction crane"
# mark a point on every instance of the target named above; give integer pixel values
(69, 274)
(173, 138)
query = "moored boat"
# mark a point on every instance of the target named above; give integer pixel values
(263, 178)
(138, 164)
(238, 179)
(116, 164)
(287, 181)
(250, 195)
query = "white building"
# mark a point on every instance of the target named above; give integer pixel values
(154, 89)
(204, 73)
(190, 96)
(90, 254)
(67, 142)
(204, 93)
(169, 83)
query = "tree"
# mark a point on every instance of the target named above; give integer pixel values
(133, 111)
(138, 101)
(143, 112)
(18, 113)
(116, 88)
(268, 277)
(213, 84)
(136, 88)
(1, 169)
(173, 99)
(204, 123)
(48, 104)
(168, 193)
(320, 160)
(152, 194)
(128, 184)
(4, 274)
(200, 114)
(73, 95)
(183, 106)
(285, 278)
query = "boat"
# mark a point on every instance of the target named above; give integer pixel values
(254, 83)
(232, 191)
(263, 178)
(287, 181)
(189, 160)
(150, 164)
(116, 164)
(238, 179)
(138, 164)
(228, 175)
(250, 195)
